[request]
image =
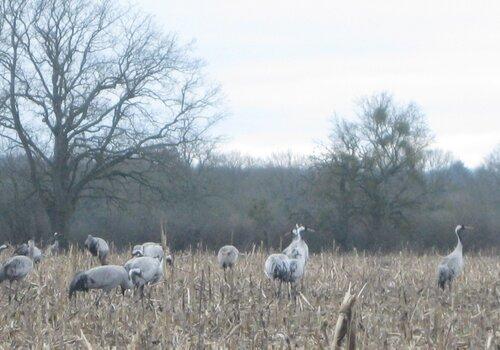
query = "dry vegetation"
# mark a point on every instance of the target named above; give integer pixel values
(400, 307)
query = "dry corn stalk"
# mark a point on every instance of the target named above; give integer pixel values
(163, 234)
(345, 326)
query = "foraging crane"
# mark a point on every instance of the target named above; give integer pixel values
(227, 256)
(151, 249)
(283, 268)
(24, 249)
(105, 278)
(151, 271)
(17, 267)
(97, 247)
(54, 247)
(298, 244)
(452, 265)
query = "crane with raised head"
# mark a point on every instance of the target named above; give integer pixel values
(54, 248)
(298, 244)
(452, 265)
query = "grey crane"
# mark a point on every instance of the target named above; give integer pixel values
(298, 244)
(151, 271)
(151, 249)
(54, 247)
(24, 249)
(452, 265)
(97, 247)
(17, 267)
(227, 256)
(105, 278)
(283, 268)
(3, 247)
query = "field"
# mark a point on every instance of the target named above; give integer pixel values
(401, 306)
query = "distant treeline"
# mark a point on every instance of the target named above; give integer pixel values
(375, 186)
(116, 142)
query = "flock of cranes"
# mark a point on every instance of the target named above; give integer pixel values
(146, 267)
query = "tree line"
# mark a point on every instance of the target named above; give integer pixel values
(105, 128)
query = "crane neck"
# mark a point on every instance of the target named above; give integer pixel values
(459, 246)
(31, 249)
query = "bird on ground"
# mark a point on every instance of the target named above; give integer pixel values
(151, 271)
(452, 265)
(151, 249)
(298, 244)
(105, 278)
(285, 269)
(17, 267)
(3, 247)
(24, 249)
(54, 248)
(227, 256)
(169, 259)
(97, 247)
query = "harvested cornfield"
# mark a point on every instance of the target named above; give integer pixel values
(197, 307)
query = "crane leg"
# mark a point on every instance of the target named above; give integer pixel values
(99, 298)
(10, 291)
(16, 289)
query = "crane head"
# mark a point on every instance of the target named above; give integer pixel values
(460, 229)
(298, 229)
(463, 227)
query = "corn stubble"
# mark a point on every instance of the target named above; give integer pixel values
(398, 306)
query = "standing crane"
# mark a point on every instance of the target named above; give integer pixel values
(54, 247)
(227, 256)
(452, 265)
(97, 247)
(24, 249)
(3, 247)
(298, 245)
(17, 267)
(283, 268)
(151, 271)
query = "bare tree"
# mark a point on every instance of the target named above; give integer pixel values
(85, 87)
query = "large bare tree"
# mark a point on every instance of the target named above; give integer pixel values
(87, 86)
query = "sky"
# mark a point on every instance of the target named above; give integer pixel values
(287, 67)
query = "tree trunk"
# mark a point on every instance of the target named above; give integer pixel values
(59, 219)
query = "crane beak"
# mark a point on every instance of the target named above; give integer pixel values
(468, 227)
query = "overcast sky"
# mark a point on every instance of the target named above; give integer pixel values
(286, 67)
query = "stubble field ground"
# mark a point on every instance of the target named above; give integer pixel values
(195, 307)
